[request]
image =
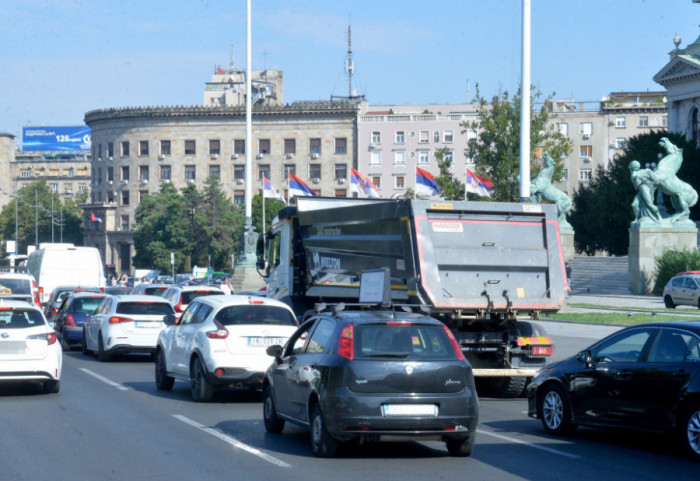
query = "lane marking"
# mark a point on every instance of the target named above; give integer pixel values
(121, 387)
(233, 441)
(536, 446)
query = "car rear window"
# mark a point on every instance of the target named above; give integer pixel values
(20, 318)
(144, 308)
(409, 341)
(255, 314)
(154, 291)
(189, 296)
(15, 286)
(86, 305)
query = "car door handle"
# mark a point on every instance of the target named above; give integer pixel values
(624, 374)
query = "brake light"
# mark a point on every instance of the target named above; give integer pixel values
(455, 344)
(54, 310)
(69, 320)
(220, 333)
(50, 338)
(396, 323)
(346, 343)
(542, 350)
(5, 308)
(36, 291)
(119, 319)
(179, 308)
(256, 302)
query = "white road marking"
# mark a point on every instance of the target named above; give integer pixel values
(121, 387)
(532, 445)
(233, 441)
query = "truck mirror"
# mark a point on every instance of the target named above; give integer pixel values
(260, 246)
(260, 264)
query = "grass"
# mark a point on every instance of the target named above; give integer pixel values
(616, 318)
(691, 310)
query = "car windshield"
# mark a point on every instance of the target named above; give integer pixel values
(15, 286)
(86, 305)
(411, 341)
(190, 296)
(255, 314)
(154, 291)
(144, 308)
(20, 318)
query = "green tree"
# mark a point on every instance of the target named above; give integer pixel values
(496, 149)
(224, 224)
(450, 188)
(272, 207)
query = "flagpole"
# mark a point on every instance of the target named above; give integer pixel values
(263, 217)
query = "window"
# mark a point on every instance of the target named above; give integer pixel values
(448, 136)
(620, 122)
(215, 170)
(214, 146)
(82, 187)
(664, 121)
(143, 147)
(423, 137)
(377, 181)
(164, 147)
(376, 137)
(290, 146)
(289, 169)
(264, 146)
(436, 136)
(165, 172)
(625, 347)
(54, 187)
(563, 129)
(239, 146)
(447, 155)
(190, 172)
(70, 172)
(375, 158)
(620, 142)
(264, 170)
(99, 175)
(190, 147)
(99, 151)
(400, 137)
(143, 173)
(26, 173)
(586, 129)
(53, 172)
(125, 148)
(341, 145)
(239, 197)
(314, 171)
(239, 172)
(315, 146)
(399, 157)
(341, 171)
(644, 121)
(68, 188)
(142, 195)
(399, 182)
(321, 337)
(110, 149)
(341, 193)
(565, 174)
(110, 174)
(125, 173)
(125, 222)
(125, 197)
(585, 151)
(585, 174)
(423, 157)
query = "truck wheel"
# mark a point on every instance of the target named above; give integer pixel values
(505, 387)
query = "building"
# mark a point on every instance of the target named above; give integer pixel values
(66, 173)
(227, 88)
(137, 149)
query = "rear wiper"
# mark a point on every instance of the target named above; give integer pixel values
(398, 355)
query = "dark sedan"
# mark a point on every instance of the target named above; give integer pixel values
(643, 377)
(374, 376)
(72, 314)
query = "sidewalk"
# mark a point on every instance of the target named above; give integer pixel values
(623, 301)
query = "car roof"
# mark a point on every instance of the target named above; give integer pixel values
(380, 316)
(78, 295)
(198, 288)
(237, 299)
(688, 273)
(140, 298)
(693, 326)
(17, 275)
(17, 304)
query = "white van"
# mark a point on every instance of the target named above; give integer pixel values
(54, 265)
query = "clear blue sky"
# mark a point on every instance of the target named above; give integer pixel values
(62, 58)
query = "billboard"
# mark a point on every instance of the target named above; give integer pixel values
(56, 138)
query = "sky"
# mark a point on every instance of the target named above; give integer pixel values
(62, 58)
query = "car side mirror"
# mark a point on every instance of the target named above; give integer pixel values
(52, 324)
(585, 357)
(169, 319)
(275, 351)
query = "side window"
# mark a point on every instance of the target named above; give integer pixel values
(188, 315)
(296, 343)
(202, 313)
(626, 347)
(693, 350)
(690, 283)
(678, 281)
(64, 307)
(671, 346)
(320, 337)
(104, 307)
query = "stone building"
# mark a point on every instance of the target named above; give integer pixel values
(227, 88)
(137, 149)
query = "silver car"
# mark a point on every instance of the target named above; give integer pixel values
(683, 289)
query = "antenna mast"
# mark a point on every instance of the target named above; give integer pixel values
(349, 66)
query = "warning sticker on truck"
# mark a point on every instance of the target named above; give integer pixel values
(447, 226)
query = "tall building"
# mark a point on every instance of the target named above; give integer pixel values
(227, 88)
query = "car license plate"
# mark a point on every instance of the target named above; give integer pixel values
(265, 341)
(409, 410)
(12, 347)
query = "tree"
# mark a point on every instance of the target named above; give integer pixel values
(272, 207)
(450, 188)
(496, 149)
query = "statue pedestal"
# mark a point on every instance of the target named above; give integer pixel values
(567, 243)
(646, 243)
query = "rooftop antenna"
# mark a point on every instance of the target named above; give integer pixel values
(349, 66)
(232, 65)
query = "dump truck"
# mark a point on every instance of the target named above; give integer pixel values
(485, 269)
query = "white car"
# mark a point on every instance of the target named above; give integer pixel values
(125, 324)
(181, 296)
(220, 341)
(28, 347)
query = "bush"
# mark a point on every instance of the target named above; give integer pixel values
(671, 263)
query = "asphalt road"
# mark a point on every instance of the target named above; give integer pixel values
(110, 423)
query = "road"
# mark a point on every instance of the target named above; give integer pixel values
(110, 423)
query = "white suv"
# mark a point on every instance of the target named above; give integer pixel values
(125, 324)
(19, 287)
(180, 296)
(221, 341)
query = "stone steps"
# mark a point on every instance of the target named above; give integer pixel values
(600, 275)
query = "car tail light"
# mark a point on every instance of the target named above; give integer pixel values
(69, 320)
(4, 308)
(119, 319)
(220, 333)
(346, 343)
(179, 308)
(256, 302)
(397, 323)
(542, 350)
(54, 310)
(455, 344)
(50, 338)
(37, 293)
(102, 290)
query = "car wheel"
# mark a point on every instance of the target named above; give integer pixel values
(668, 302)
(52, 387)
(202, 389)
(102, 355)
(65, 345)
(83, 344)
(163, 381)
(691, 432)
(461, 447)
(273, 424)
(322, 443)
(555, 410)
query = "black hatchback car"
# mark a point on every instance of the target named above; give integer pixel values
(644, 377)
(372, 375)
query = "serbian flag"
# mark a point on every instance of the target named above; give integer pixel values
(269, 192)
(94, 218)
(362, 185)
(425, 183)
(298, 187)
(478, 185)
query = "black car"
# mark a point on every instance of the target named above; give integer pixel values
(644, 377)
(374, 376)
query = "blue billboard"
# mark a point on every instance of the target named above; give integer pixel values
(56, 138)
